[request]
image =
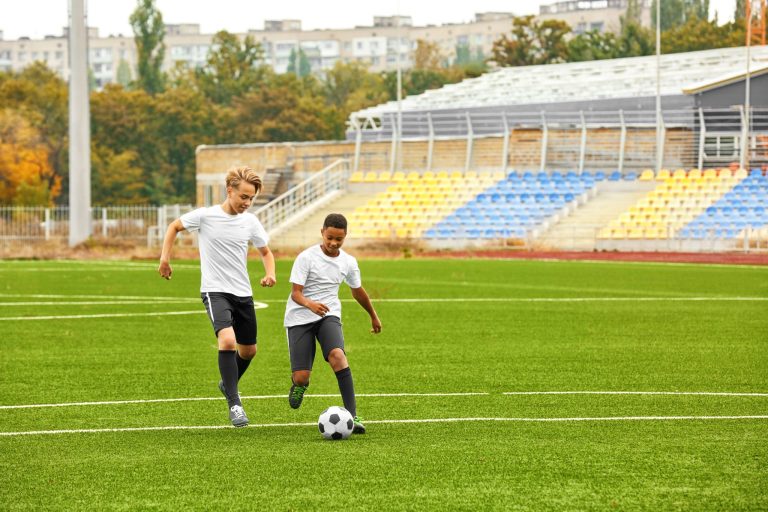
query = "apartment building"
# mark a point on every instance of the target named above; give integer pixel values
(390, 39)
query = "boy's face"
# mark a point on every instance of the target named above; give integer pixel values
(241, 196)
(333, 239)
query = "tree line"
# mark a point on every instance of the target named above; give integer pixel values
(144, 135)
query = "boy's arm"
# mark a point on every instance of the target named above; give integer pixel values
(165, 256)
(297, 296)
(268, 259)
(362, 298)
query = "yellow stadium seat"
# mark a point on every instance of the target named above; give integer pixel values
(457, 175)
(741, 174)
(725, 173)
(679, 174)
(356, 177)
(498, 175)
(442, 175)
(662, 175)
(371, 177)
(398, 176)
(413, 176)
(646, 175)
(694, 174)
(385, 177)
(710, 173)
(429, 175)
(471, 175)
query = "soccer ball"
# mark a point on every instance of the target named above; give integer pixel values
(335, 423)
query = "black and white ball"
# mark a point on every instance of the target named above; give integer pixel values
(335, 423)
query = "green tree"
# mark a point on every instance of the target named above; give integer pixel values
(233, 69)
(634, 40)
(350, 87)
(305, 67)
(698, 34)
(124, 73)
(532, 42)
(677, 12)
(593, 45)
(149, 32)
(117, 180)
(284, 109)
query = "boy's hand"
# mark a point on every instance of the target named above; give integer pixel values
(268, 281)
(317, 308)
(375, 325)
(165, 270)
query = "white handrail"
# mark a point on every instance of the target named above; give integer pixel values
(284, 207)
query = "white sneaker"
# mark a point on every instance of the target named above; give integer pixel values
(237, 416)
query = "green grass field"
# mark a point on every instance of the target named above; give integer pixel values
(476, 342)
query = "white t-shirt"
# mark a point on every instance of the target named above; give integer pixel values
(321, 276)
(223, 240)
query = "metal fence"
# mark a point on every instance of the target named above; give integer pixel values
(623, 140)
(25, 224)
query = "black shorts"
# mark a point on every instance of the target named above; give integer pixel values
(227, 310)
(301, 341)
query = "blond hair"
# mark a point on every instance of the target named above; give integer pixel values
(237, 175)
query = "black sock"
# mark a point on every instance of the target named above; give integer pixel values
(347, 388)
(242, 365)
(228, 370)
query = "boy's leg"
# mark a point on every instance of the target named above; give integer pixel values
(244, 323)
(219, 309)
(331, 340)
(301, 350)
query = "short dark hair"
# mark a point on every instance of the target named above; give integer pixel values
(335, 220)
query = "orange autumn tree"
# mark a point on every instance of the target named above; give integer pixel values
(26, 175)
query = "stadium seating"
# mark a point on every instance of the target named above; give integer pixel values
(744, 206)
(513, 207)
(415, 201)
(679, 199)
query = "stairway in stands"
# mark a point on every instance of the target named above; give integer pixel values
(578, 230)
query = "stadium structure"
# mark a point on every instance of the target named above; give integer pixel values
(570, 156)
(563, 156)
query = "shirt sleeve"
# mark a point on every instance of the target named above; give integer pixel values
(300, 270)
(191, 220)
(259, 236)
(353, 274)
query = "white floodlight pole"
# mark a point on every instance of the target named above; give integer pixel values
(744, 160)
(659, 144)
(399, 33)
(79, 127)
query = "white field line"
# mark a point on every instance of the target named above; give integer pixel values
(384, 395)
(383, 422)
(201, 399)
(265, 304)
(108, 297)
(256, 305)
(92, 303)
(674, 393)
(575, 299)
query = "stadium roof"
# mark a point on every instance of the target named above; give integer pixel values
(631, 77)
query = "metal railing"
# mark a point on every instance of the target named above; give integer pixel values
(31, 224)
(302, 198)
(624, 140)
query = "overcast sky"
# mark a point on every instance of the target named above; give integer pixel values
(36, 18)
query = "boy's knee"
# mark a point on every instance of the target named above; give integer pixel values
(337, 357)
(301, 378)
(227, 340)
(246, 351)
